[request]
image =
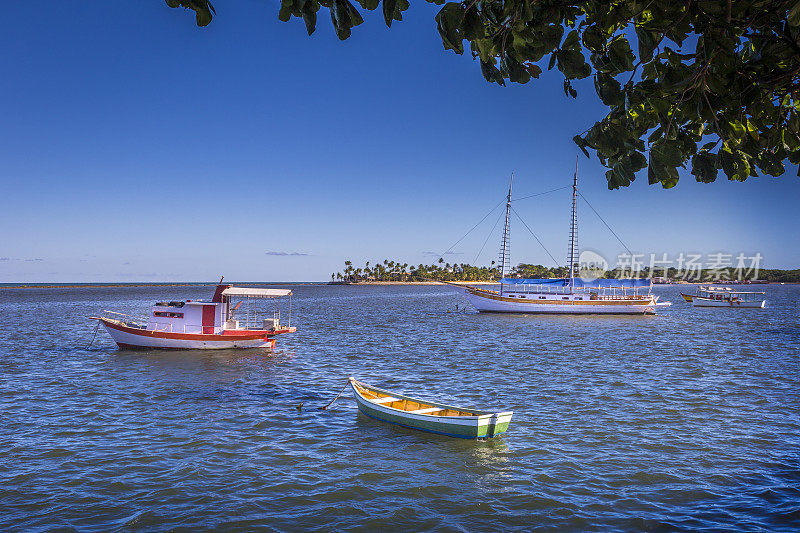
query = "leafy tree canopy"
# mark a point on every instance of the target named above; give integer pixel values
(713, 85)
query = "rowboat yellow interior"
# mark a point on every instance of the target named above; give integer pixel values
(409, 406)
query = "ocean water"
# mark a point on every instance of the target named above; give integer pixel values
(685, 420)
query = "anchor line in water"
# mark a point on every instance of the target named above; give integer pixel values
(605, 223)
(535, 237)
(337, 397)
(93, 336)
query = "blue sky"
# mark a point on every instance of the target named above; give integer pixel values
(136, 146)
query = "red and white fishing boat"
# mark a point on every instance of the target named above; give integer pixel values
(236, 317)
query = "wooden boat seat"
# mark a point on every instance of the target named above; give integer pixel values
(426, 410)
(387, 399)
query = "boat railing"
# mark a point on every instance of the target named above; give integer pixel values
(602, 293)
(127, 320)
(161, 327)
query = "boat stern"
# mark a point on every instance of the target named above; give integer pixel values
(494, 424)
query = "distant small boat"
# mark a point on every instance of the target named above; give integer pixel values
(428, 416)
(726, 297)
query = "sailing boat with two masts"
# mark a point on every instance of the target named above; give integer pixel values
(571, 295)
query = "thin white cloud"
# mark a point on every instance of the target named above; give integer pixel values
(286, 254)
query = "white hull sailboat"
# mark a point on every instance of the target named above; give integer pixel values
(560, 303)
(571, 295)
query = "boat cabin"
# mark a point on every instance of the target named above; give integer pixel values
(231, 309)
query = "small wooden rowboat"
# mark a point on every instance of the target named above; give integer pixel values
(428, 416)
(688, 297)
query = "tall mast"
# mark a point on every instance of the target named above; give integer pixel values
(573, 227)
(505, 250)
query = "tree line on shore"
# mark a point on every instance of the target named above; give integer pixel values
(387, 270)
(440, 270)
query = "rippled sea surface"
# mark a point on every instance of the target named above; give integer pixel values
(689, 419)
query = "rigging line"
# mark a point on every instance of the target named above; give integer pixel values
(606, 224)
(537, 238)
(473, 227)
(475, 262)
(541, 193)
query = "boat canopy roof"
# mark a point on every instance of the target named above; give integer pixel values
(578, 282)
(250, 292)
(728, 290)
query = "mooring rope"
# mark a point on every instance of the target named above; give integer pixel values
(93, 336)
(337, 396)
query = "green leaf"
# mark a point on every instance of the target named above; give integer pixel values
(203, 17)
(594, 38)
(608, 89)
(369, 5)
(704, 166)
(552, 61)
(285, 12)
(637, 161)
(569, 90)
(309, 11)
(573, 64)
(551, 36)
(572, 42)
(515, 71)
(344, 16)
(647, 43)
(794, 15)
(621, 55)
(492, 73)
(734, 164)
(534, 70)
(388, 11)
(621, 175)
(582, 144)
(450, 22)
(474, 27)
